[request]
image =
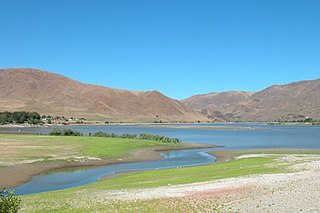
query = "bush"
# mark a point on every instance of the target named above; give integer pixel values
(55, 132)
(8, 202)
(65, 132)
(70, 132)
(159, 138)
(143, 136)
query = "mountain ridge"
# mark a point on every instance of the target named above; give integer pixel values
(292, 101)
(49, 93)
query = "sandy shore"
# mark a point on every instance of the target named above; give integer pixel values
(226, 155)
(297, 191)
(292, 192)
(15, 175)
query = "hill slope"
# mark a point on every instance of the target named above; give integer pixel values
(49, 93)
(279, 102)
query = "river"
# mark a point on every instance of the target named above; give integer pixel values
(257, 136)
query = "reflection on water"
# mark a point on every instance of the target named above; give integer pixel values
(272, 137)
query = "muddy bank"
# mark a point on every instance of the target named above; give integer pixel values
(13, 176)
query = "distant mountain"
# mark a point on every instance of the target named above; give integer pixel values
(49, 93)
(279, 102)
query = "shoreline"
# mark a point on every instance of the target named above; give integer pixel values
(196, 125)
(151, 125)
(227, 155)
(16, 175)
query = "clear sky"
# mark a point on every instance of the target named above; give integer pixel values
(178, 47)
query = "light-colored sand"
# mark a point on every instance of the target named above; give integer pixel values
(298, 191)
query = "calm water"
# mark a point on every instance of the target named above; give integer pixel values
(267, 137)
(77, 177)
(264, 137)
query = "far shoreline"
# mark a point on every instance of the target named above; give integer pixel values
(212, 126)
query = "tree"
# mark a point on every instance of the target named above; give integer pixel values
(8, 202)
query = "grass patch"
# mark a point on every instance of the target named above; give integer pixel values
(85, 205)
(92, 197)
(186, 175)
(17, 148)
(83, 198)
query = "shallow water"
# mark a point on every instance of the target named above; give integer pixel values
(77, 177)
(263, 137)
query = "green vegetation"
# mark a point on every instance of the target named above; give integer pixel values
(308, 121)
(65, 132)
(19, 117)
(82, 203)
(143, 136)
(186, 175)
(304, 122)
(97, 197)
(34, 118)
(8, 202)
(18, 148)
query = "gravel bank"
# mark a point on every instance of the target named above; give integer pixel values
(298, 191)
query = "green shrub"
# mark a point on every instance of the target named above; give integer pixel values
(55, 132)
(8, 202)
(65, 132)
(143, 136)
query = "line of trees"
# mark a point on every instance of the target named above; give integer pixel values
(306, 121)
(19, 117)
(143, 136)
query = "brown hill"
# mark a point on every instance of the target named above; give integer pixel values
(217, 101)
(49, 93)
(285, 102)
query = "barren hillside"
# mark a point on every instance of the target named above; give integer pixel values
(279, 102)
(49, 93)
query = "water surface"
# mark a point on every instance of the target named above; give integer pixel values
(76, 177)
(263, 137)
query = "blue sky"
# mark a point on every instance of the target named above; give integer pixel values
(178, 47)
